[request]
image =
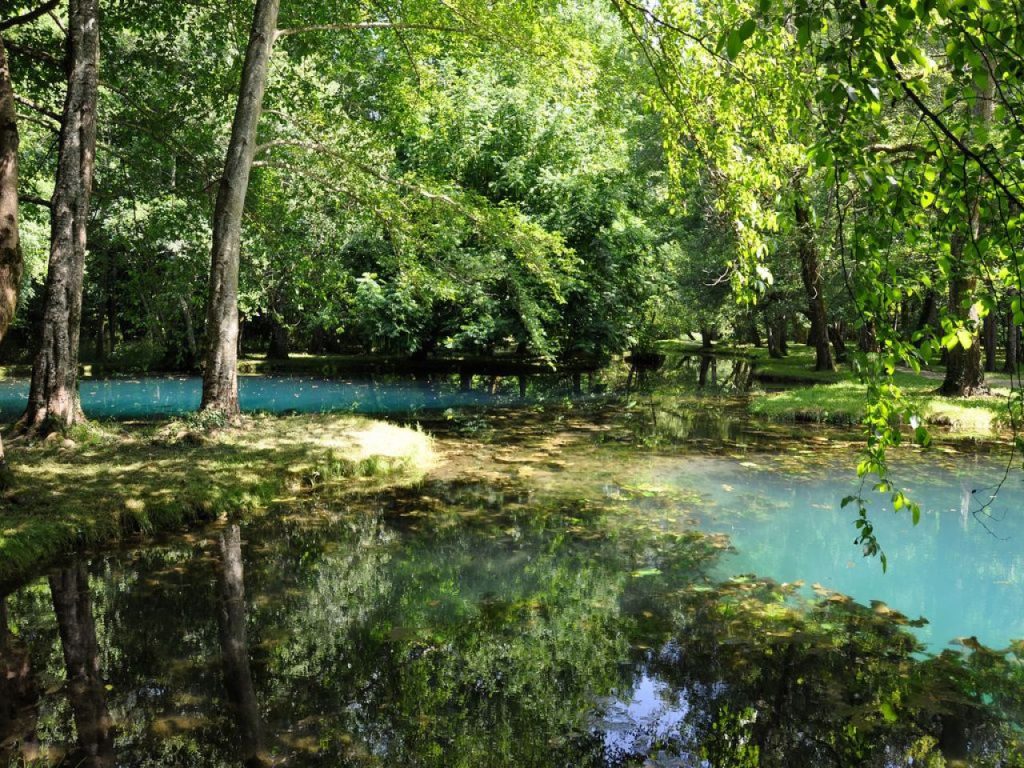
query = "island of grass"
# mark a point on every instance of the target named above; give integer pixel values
(789, 389)
(104, 481)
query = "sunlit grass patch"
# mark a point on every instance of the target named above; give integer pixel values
(102, 481)
(844, 402)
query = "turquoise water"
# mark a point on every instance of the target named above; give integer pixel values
(561, 596)
(150, 397)
(961, 567)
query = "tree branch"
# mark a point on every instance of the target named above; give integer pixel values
(944, 129)
(39, 108)
(365, 25)
(28, 16)
(33, 200)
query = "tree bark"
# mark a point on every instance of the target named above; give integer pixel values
(235, 649)
(53, 395)
(73, 607)
(11, 264)
(1010, 365)
(991, 336)
(964, 374)
(220, 377)
(810, 271)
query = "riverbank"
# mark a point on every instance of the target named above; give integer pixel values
(791, 390)
(105, 482)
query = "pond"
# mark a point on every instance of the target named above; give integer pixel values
(652, 580)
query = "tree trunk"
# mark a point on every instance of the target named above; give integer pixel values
(220, 378)
(810, 271)
(234, 645)
(1010, 366)
(991, 337)
(73, 607)
(53, 395)
(10, 249)
(964, 374)
(279, 344)
(190, 334)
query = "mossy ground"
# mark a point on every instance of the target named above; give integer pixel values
(839, 397)
(103, 482)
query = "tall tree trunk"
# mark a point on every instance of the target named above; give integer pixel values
(235, 649)
(964, 374)
(810, 271)
(1010, 366)
(10, 248)
(991, 337)
(73, 607)
(220, 378)
(53, 396)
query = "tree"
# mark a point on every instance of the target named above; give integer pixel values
(220, 377)
(53, 397)
(11, 264)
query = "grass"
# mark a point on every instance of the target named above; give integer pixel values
(105, 482)
(838, 397)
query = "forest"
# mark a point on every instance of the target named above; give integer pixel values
(265, 263)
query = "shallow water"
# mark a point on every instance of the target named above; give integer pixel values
(570, 590)
(161, 396)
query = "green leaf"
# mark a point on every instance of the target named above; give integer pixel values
(733, 44)
(927, 198)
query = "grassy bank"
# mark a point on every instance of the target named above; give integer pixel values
(106, 482)
(791, 390)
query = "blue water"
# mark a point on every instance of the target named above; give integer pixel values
(174, 396)
(961, 567)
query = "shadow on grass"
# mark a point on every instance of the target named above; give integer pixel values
(119, 480)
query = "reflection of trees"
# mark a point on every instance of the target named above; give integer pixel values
(235, 649)
(18, 692)
(828, 684)
(72, 605)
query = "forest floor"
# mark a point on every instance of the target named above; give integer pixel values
(791, 390)
(105, 482)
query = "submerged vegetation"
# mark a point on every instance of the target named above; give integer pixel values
(105, 482)
(730, 233)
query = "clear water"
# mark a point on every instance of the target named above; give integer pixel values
(157, 396)
(559, 596)
(961, 567)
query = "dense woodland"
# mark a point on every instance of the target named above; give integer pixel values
(563, 181)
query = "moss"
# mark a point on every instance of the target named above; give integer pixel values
(101, 482)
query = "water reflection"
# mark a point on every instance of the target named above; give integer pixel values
(72, 605)
(18, 694)
(474, 624)
(235, 649)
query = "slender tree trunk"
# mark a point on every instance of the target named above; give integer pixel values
(220, 378)
(10, 249)
(810, 271)
(190, 334)
(991, 340)
(1010, 366)
(53, 395)
(73, 607)
(234, 645)
(964, 374)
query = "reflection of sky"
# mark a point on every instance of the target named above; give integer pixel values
(650, 713)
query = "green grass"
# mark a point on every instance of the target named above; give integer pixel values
(838, 397)
(105, 482)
